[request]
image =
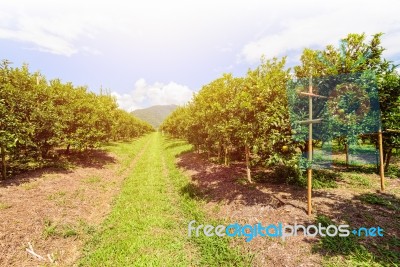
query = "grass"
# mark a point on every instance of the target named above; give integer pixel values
(30, 185)
(57, 195)
(50, 229)
(148, 223)
(336, 244)
(325, 179)
(358, 181)
(321, 179)
(214, 251)
(126, 152)
(351, 250)
(60, 198)
(65, 230)
(388, 201)
(4, 206)
(393, 172)
(92, 179)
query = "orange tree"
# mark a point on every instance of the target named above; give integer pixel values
(241, 118)
(356, 55)
(37, 116)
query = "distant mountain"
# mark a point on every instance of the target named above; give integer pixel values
(154, 115)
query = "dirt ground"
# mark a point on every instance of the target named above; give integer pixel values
(230, 199)
(54, 211)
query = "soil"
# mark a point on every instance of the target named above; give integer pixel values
(230, 198)
(54, 210)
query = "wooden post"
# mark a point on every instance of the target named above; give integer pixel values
(309, 169)
(3, 162)
(310, 122)
(381, 167)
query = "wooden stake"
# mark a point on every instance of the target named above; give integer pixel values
(309, 170)
(310, 122)
(381, 167)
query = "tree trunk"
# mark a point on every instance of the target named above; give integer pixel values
(247, 152)
(387, 159)
(226, 156)
(3, 162)
(219, 153)
(67, 150)
(346, 148)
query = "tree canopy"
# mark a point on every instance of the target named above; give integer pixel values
(248, 117)
(38, 116)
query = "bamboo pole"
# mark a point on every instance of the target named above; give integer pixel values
(309, 169)
(381, 167)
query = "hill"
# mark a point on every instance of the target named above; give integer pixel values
(154, 115)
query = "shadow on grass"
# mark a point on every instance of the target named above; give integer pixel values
(172, 143)
(392, 172)
(175, 144)
(368, 168)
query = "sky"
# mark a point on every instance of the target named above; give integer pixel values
(157, 52)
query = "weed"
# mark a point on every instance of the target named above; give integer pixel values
(57, 195)
(241, 180)
(79, 194)
(68, 230)
(92, 179)
(321, 179)
(54, 230)
(50, 229)
(388, 201)
(86, 228)
(60, 198)
(30, 185)
(4, 206)
(393, 172)
(357, 180)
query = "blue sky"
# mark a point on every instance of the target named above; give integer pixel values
(160, 52)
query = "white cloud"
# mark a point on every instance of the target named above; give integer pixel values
(145, 94)
(61, 27)
(330, 22)
(179, 39)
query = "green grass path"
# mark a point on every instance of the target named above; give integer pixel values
(148, 223)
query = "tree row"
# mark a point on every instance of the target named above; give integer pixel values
(39, 116)
(248, 118)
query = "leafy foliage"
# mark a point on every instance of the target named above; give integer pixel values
(238, 118)
(356, 55)
(38, 116)
(248, 118)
